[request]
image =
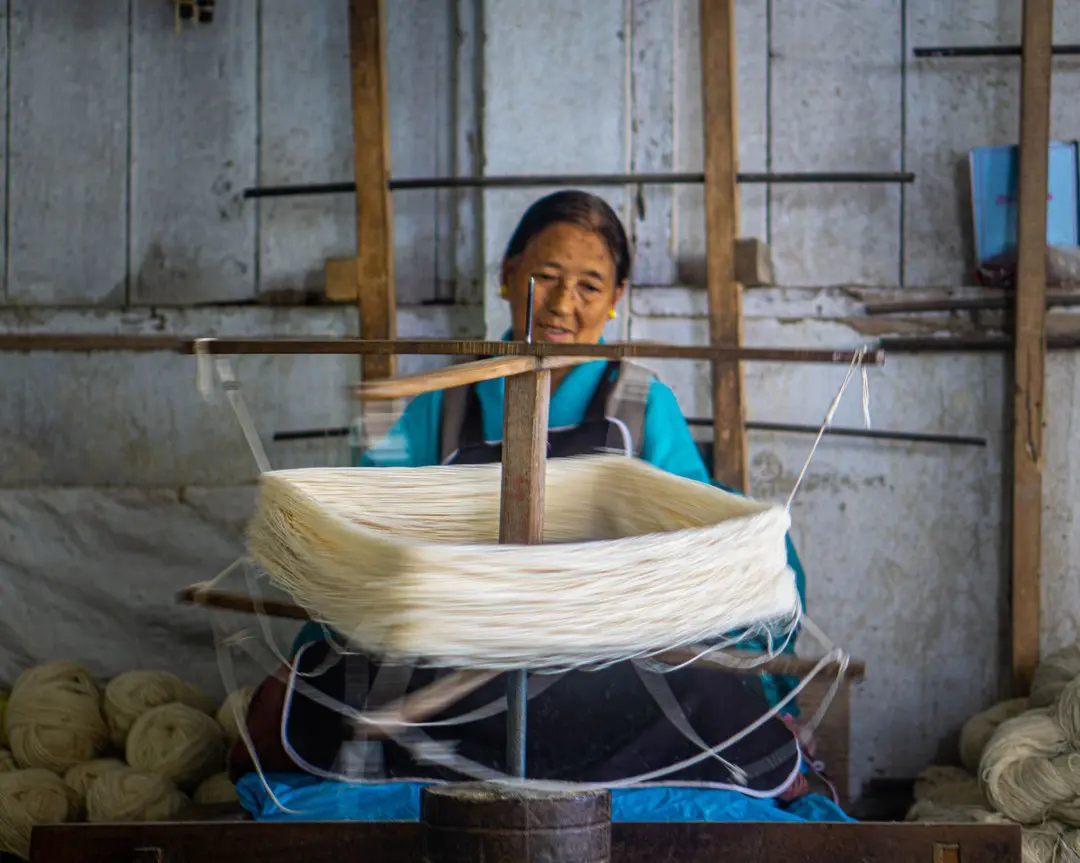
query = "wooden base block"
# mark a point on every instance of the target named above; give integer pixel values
(515, 824)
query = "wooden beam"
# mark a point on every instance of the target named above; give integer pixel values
(521, 513)
(722, 227)
(371, 155)
(1030, 349)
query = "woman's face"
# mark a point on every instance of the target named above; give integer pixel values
(575, 285)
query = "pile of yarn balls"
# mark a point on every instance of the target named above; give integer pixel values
(1021, 765)
(140, 748)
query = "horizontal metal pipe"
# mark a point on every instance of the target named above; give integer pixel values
(989, 51)
(966, 304)
(701, 422)
(553, 180)
(967, 345)
(871, 434)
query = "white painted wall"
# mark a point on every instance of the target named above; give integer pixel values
(127, 150)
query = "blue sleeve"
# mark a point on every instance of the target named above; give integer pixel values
(670, 446)
(413, 441)
(668, 443)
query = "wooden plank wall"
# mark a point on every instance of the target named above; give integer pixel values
(261, 95)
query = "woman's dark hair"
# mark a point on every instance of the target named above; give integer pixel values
(575, 208)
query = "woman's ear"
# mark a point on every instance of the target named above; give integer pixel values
(506, 273)
(620, 289)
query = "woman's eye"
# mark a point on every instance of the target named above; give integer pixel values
(590, 288)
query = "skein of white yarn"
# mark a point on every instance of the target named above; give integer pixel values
(28, 798)
(235, 705)
(81, 776)
(130, 795)
(54, 717)
(979, 728)
(1016, 770)
(129, 695)
(217, 789)
(949, 787)
(178, 742)
(1053, 674)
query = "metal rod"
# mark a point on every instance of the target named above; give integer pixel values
(517, 699)
(966, 304)
(989, 51)
(871, 434)
(751, 425)
(517, 682)
(553, 180)
(977, 344)
(529, 311)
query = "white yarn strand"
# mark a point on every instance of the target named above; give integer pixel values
(857, 364)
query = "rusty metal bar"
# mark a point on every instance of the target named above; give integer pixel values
(558, 180)
(751, 425)
(989, 51)
(964, 304)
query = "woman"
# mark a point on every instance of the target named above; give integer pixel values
(595, 726)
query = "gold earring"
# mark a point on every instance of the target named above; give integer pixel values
(504, 292)
(611, 314)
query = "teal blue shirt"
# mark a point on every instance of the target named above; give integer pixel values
(415, 439)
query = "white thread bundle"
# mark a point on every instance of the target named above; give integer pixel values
(131, 694)
(978, 729)
(1021, 771)
(1053, 674)
(406, 561)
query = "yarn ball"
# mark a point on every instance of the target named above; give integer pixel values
(129, 695)
(29, 798)
(1016, 771)
(4, 696)
(54, 717)
(236, 703)
(7, 761)
(178, 742)
(217, 789)
(127, 794)
(82, 775)
(949, 787)
(928, 812)
(1053, 674)
(1067, 709)
(978, 729)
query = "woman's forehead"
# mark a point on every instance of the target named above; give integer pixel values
(570, 247)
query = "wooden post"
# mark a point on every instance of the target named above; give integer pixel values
(521, 514)
(722, 227)
(371, 155)
(1030, 351)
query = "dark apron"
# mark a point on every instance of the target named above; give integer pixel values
(589, 726)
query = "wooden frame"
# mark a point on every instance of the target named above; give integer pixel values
(1029, 367)
(402, 842)
(718, 93)
(374, 270)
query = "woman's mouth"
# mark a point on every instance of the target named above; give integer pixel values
(554, 334)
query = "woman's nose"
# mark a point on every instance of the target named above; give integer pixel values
(560, 299)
